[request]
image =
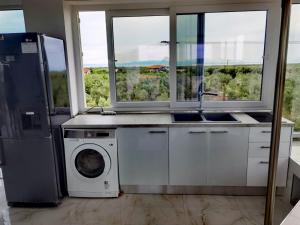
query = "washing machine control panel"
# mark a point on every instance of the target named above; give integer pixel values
(89, 133)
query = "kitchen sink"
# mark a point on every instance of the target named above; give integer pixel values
(219, 117)
(262, 117)
(204, 117)
(186, 117)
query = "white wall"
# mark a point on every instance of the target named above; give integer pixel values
(169, 2)
(44, 17)
(10, 2)
(71, 60)
(47, 16)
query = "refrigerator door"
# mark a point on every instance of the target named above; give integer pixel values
(57, 86)
(56, 74)
(28, 171)
(24, 105)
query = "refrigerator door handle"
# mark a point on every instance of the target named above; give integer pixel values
(49, 88)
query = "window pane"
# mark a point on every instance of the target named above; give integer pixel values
(12, 21)
(141, 46)
(291, 107)
(231, 44)
(95, 61)
(190, 31)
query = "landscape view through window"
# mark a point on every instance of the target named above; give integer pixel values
(233, 59)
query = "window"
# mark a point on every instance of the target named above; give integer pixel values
(291, 106)
(220, 54)
(141, 51)
(12, 21)
(190, 56)
(94, 58)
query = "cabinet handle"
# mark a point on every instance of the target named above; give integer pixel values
(263, 162)
(266, 131)
(157, 131)
(265, 147)
(197, 132)
(219, 132)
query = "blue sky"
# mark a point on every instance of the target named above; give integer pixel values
(12, 21)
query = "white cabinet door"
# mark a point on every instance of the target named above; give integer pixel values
(258, 172)
(228, 156)
(143, 156)
(188, 155)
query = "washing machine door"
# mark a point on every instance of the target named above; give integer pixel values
(90, 162)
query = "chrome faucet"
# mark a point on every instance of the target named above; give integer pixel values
(200, 94)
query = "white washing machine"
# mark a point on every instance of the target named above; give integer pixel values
(91, 162)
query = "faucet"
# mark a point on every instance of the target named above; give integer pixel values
(200, 94)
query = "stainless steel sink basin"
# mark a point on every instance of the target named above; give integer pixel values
(262, 117)
(186, 117)
(219, 117)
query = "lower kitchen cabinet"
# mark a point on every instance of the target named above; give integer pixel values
(188, 156)
(143, 156)
(215, 156)
(228, 156)
(258, 172)
(258, 157)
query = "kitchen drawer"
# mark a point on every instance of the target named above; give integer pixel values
(263, 134)
(262, 149)
(257, 174)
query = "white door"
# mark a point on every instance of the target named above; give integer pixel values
(188, 155)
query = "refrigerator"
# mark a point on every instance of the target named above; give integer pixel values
(34, 102)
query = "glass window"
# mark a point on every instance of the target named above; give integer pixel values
(291, 106)
(141, 50)
(94, 58)
(190, 56)
(220, 54)
(12, 21)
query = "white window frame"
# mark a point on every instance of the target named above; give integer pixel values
(269, 65)
(296, 134)
(109, 19)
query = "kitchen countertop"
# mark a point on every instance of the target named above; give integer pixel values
(154, 119)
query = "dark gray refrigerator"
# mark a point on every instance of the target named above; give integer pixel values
(34, 102)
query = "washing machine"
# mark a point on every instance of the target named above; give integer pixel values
(91, 162)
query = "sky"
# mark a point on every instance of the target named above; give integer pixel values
(12, 21)
(93, 38)
(230, 37)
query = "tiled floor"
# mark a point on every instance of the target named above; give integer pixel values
(146, 210)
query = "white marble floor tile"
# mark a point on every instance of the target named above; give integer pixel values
(153, 216)
(152, 200)
(146, 209)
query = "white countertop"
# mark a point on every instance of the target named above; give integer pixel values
(99, 121)
(295, 159)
